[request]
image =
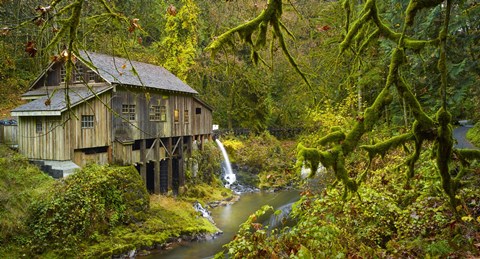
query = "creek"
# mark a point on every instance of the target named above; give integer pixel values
(228, 219)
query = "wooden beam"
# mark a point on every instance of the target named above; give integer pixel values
(170, 164)
(143, 158)
(181, 169)
(157, 167)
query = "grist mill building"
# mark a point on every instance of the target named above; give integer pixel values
(119, 112)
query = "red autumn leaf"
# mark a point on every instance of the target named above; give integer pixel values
(171, 10)
(323, 28)
(30, 49)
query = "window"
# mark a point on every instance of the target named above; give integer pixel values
(128, 111)
(92, 76)
(39, 125)
(63, 74)
(87, 121)
(176, 115)
(158, 113)
(198, 110)
(185, 116)
(79, 73)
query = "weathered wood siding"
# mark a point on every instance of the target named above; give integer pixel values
(100, 134)
(189, 123)
(61, 135)
(8, 135)
(48, 144)
(202, 120)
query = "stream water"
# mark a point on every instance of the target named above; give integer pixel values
(228, 219)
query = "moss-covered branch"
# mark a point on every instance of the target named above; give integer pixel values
(382, 148)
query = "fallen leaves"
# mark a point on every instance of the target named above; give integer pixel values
(171, 10)
(134, 25)
(31, 49)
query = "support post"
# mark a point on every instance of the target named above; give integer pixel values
(170, 164)
(143, 158)
(157, 167)
(181, 169)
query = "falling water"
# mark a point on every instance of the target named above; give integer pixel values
(229, 175)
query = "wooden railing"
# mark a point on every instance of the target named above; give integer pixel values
(279, 133)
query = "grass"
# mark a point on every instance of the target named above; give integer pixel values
(20, 184)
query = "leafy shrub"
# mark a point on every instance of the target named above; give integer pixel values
(86, 203)
(208, 163)
(473, 134)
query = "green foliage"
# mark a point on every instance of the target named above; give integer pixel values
(20, 184)
(384, 220)
(179, 45)
(208, 161)
(265, 157)
(473, 134)
(90, 201)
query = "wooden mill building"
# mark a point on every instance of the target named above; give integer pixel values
(120, 112)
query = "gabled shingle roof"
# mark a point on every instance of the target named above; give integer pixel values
(119, 70)
(57, 105)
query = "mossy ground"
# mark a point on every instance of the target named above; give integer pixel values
(22, 184)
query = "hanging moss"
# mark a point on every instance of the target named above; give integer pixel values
(342, 175)
(335, 136)
(444, 151)
(357, 25)
(411, 160)
(468, 154)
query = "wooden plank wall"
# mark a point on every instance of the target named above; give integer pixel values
(8, 135)
(143, 128)
(98, 136)
(49, 144)
(62, 134)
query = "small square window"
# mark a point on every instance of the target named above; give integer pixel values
(79, 73)
(158, 113)
(39, 125)
(92, 76)
(128, 111)
(198, 110)
(63, 74)
(87, 121)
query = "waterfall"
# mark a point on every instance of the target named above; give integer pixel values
(229, 175)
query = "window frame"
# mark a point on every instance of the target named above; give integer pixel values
(38, 125)
(158, 113)
(79, 74)
(176, 115)
(129, 111)
(87, 122)
(186, 118)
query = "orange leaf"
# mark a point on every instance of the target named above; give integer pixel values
(171, 10)
(30, 49)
